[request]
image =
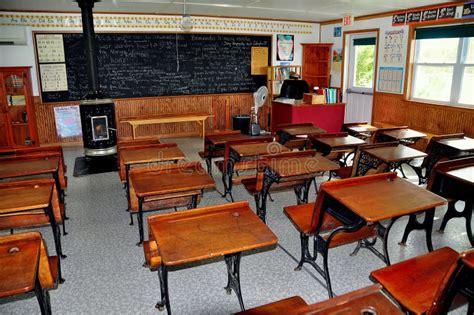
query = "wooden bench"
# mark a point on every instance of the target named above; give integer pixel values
(135, 122)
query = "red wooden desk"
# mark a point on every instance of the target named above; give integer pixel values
(329, 117)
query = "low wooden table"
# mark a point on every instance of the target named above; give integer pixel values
(290, 133)
(296, 168)
(178, 180)
(251, 151)
(208, 233)
(393, 156)
(149, 155)
(135, 122)
(405, 136)
(382, 197)
(217, 141)
(28, 197)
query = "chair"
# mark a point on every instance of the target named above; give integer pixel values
(299, 143)
(237, 166)
(313, 220)
(174, 200)
(26, 267)
(427, 284)
(369, 299)
(434, 184)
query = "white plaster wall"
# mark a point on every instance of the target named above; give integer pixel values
(24, 55)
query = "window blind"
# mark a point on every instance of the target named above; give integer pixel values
(364, 41)
(453, 31)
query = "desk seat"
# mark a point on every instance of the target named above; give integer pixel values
(301, 217)
(152, 255)
(251, 185)
(215, 153)
(413, 282)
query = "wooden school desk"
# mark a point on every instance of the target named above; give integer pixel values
(362, 131)
(215, 142)
(212, 232)
(251, 151)
(392, 155)
(18, 197)
(280, 170)
(290, 133)
(405, 136)
(185, 177)
(342, 144)
(148, 155)
(381, 197)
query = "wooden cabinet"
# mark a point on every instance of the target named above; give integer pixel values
(17, 115)
(317, 64)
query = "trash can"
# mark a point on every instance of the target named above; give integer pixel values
(241, 122)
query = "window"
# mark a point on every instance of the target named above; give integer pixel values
(443, 69)
(361, 75)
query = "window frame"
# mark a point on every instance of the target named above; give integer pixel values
(352, 64)
(458, 72)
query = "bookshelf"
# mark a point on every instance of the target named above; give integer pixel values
(276, 75)
(317, 65)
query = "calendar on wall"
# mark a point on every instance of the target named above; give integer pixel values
(390, 80)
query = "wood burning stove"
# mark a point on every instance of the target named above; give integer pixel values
(99, 133)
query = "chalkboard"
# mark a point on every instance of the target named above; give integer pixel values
(150, 64)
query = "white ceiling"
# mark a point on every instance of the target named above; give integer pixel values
(302, 10)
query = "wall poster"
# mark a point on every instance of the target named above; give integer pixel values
(68, 121)
(50, 47)
(285, 47)
(390, 80)
(393, 47)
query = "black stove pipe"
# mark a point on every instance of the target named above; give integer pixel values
(89, 42)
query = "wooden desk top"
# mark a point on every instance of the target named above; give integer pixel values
(299, 166)
(263, 148)
(170, 181)
(222, 139)
(166, 117)
(19, 168)
(147, 155)
(18, 269)
(28, 197)
(468, 259)
(362, 128)
(193, 235)
(383, 196)
(304, 130)
(461, 144)
(395, 154)
(339, 142)
(404, 134)
(464, 174)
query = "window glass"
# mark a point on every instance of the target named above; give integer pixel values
(437, 50)
(469, 46)
(433, 82)
(364, 66)
(467, 86)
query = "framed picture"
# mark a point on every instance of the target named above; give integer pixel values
(100, 128)
(285, 47)
(337, 31)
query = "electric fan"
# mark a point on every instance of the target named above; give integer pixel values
(259, 98)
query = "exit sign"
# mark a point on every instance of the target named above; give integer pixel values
(348, 20)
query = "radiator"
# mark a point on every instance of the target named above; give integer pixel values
(358, 107)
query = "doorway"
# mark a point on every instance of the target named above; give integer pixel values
(360, 52)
